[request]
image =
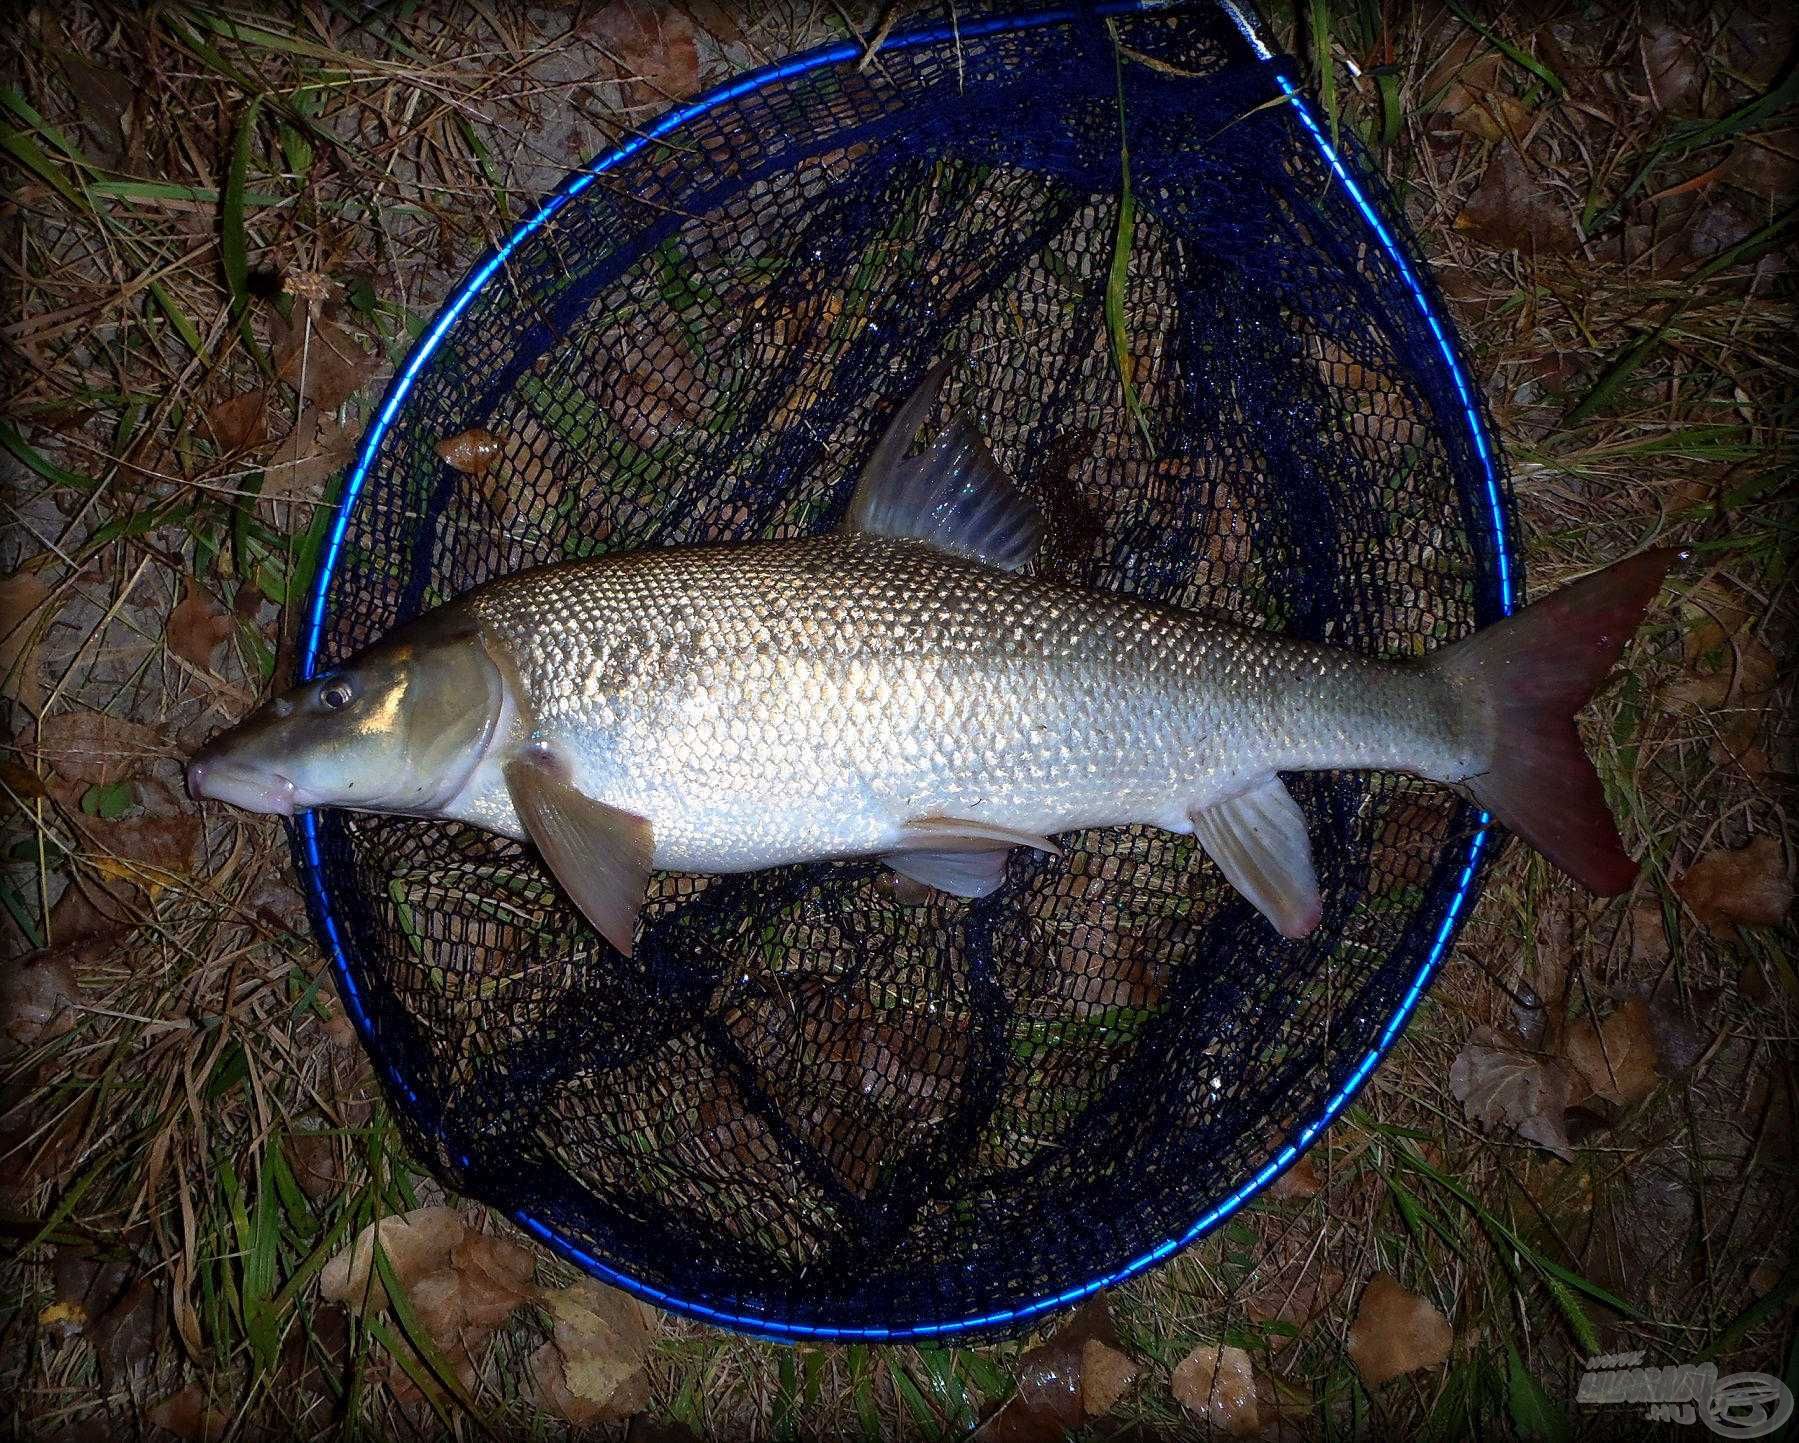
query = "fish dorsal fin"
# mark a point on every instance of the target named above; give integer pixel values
(1258, 839)
(600, 854)
(953, 495)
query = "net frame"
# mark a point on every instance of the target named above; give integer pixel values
(1453, 885)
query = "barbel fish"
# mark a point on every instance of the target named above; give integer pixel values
(903, 689)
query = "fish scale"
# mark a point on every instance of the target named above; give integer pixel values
(769, 703)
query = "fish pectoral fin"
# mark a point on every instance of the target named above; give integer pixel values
(965, 858)
(1258, 839)
(600, 854)
(963, 874)
(953, 496)
(955, 834)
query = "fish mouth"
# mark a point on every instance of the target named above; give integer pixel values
(242, 786)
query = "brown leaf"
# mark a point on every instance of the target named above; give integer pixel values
(1616, 1058)
(21, 594)
(651, 47)
(86, 1288)
(1671, 69)
(314, 1160)
(416, 1244)
(1766, 165)
(187, 1415)
(198, 626)
(1748, 887)
(39, 996)
(143, 852)
(1053, 1397)
(470, 452)
(1512, 209)
(1498, 1085)
(1299, 1181)
(1462, 71)
(239, 423)
(309, 455)
(1396, 1332)
(96, 749)
(594, 1366)
(127, 1334)
(321, 361)
(104, 98)
(1292, 1282)
(1218, 1383)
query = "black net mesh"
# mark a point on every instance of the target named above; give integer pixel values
(805, 1105)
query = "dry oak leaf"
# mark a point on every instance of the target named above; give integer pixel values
(322, 362)
(595, 1365)
(97, 749)
(1498, 1085)
(187, 1415)
(309, 455)
(21, 594)
(1748, 887)
(652, 46)
(38, 997)
(416, 1244)
(1218, 1383)
(1512, 209)
(197, 627)
(1616, 1058)
(239, 423)
(1395, 1332)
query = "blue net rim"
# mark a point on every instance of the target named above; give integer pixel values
(1481, 846)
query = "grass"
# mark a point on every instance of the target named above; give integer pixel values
(1645, 393)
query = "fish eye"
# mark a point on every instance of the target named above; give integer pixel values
(336, 696)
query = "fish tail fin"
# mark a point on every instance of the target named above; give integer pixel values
(1529, 675)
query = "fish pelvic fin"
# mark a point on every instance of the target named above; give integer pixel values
(953, 495)
(1529, 675)
(599, 853)
(1258, 840)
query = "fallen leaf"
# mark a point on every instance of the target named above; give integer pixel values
(1672, 70)
(239, 423)
(1396, 1332)
(1299, 1181)
(1292, 1282)
(1511, 209)
(1054, 1395)
(21, 594)
(321, 361)
(86, 1288)
(1462, 71)
(316, 1164)
(594, 1366)
(198, 626)
(187, 1415)
(128, 1334)
(96, 749)
(415, 1244)
(1217, 1382)
(1748, 887)
(144, 852)
(471, 452)
(39, 996)
(104, 97)
(652, 50)
(1498, 1085)
(309, 455)
(1766, 165)
(1615, 1058)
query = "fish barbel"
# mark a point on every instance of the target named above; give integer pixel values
(901, 689)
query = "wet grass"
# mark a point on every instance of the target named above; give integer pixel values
(1643, 383)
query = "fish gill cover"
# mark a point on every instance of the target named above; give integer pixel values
(810, 1106)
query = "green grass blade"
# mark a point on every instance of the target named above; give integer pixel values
(233, 242)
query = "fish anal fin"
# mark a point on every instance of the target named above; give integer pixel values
(962, 874)
(953, 495)
(599, 853)
(1258, 840)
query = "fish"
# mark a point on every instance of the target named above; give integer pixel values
(907, 688)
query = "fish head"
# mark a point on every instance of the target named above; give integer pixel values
(399, 727)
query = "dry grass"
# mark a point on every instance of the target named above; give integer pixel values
(152, 1127)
